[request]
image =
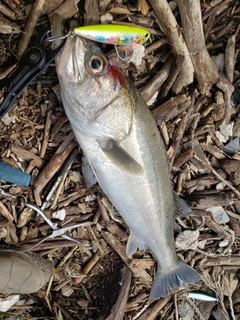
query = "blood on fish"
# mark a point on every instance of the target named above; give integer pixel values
(117, 75)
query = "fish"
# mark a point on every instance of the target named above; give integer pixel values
(120, 139)
(113, 34)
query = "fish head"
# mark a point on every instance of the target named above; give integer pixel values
(93, 89)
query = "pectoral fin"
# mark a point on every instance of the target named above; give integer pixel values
(133, 244)
(121, 158)
(183, 208)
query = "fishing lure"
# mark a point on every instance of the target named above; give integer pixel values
(199, 295)
(113, 34)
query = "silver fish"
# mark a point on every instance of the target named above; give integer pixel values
(120, 139)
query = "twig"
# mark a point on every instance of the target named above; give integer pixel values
(36, 12)
(178, 134)
(9, 13)
(170, 27)
(155, 84)
(54, 164)
(175, 69)
(230, 57)
(103, 210)
(46, 134)
(87, 268)
(28, 155)
(171, 108)
(48, 292)
(5, 212)
(121, 250)
(220, 261)
(216, 9)
(16, 7)
(155, 45)
(206, 70)
(154, 309)
(195, 308)
(64, 311)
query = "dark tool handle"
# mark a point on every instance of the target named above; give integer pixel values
(33, 62)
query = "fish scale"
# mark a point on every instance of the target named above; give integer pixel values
(121, 141)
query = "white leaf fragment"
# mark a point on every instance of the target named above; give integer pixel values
(219, 214)
(232, 147)
(7, 119)
(225, 132)
(187, 240)
(7, 303)
(60, 214)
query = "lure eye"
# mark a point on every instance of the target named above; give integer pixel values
(96, 64)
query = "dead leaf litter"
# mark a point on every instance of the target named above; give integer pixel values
(187, 74)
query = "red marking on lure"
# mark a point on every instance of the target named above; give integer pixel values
(117, 75)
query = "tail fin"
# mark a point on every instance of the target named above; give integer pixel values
(164, 282)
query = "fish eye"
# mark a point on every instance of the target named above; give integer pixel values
(96, 64)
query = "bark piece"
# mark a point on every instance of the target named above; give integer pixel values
(155, 84)
(46, 134)
(171, 108)
(36, 12)
(204, 201)
(206, 70)
(121, 250)
(55, 163)
(7, 26)
(152, 312)
(5, 212)
(8, 12)
(92, 12)
(117, 295)
(28, 155)
(67, 9)
(171, 29)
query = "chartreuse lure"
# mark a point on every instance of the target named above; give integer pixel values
(114, 34)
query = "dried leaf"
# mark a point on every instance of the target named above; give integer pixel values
(185, 311)
(8, 302)
(7, 26)
(59, 315)
(119, 10)
(187, 240)
(229, 283)
(143, 6)
(219, 214)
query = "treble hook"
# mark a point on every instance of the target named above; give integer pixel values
(118, 55)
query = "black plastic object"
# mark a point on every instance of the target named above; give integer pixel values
(235, 98)
(34, 61)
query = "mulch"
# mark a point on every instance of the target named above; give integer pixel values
(187, 74)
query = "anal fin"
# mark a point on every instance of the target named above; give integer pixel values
(183, 208)
(133, 244)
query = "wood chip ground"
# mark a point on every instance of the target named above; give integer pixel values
(189, 70)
